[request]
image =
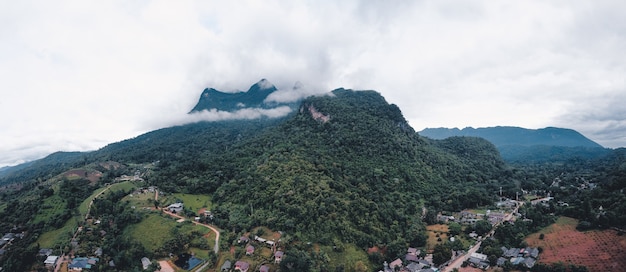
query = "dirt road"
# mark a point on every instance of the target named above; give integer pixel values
(217, 232)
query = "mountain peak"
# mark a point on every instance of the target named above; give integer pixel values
(262, 85)
(254, 98)
(509, 135)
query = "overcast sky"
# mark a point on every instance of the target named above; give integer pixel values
(77, 75)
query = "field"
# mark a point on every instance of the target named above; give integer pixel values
(598, 250)
(140, 200)
(152, 231)
(51, 207)
(433, 230)
(348, 258)
(49, 239)
(191, 202)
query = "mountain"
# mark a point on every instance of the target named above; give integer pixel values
(504, 135)
(342, 172)
(517, 144)
(45, 167)
(344, 166)
(253, 98)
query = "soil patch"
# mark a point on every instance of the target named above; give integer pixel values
(598, 250)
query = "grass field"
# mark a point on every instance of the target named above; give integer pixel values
(152, 231)
(62, 235)
(598, 250)
(192, 202)
(140, 200)
(348, 258)
(433, 231)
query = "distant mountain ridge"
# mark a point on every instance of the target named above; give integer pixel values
(218, 100)
(508, 135)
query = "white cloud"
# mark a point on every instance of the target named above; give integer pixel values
(91, 73)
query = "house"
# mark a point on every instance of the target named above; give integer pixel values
(250, 250)
(98, 252)
(475, 262)
(414, 267)
(396, 263)
(264, 268)
(45, 252)
(226, 266)
(479, 256)
(517, 260)
(242, 266)
(413, 251)
(51, 261)
(411, 258)
(511, 253)
(495, 217)
(80, 263)
(501, 261)
(145, 262)
(529, 262)
(534, 252)
(176, 207)
(278, 256)
(243, 239)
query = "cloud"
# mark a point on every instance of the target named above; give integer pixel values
(92, 73)
(242, 114)
(297, 92)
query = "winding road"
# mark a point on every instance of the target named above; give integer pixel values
(212, 228)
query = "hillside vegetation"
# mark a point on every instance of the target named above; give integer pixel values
(346, 166)
(342, 173)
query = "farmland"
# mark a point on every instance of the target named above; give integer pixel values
(598, 250)
(436, 235)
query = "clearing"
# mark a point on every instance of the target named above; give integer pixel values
(191, 201)
(598, 250)
(434, 233)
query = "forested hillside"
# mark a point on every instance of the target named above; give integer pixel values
(347, 167)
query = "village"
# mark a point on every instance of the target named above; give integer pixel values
(254, 251)
(417, 261)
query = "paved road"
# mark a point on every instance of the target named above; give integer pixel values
(457, 263)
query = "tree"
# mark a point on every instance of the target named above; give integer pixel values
(454, 228)
(296, 260)
(482, 227)
(441, 254)
(359, 266)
